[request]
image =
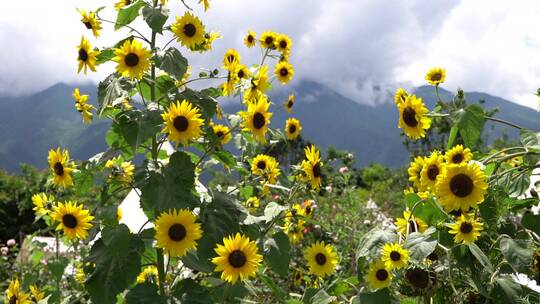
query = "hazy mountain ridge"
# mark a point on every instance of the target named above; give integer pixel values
(31, 125)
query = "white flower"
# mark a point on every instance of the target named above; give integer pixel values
(343, 170)
(11, 242)
(524, 280)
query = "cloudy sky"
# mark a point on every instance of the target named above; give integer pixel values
(359, 47)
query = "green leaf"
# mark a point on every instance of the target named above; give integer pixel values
(321, 297)
(276, 290)
(518, 253)
(105, 55)
(532, 222)
(530, 140)
(272, 210)
(372, 242)
(189, 292)
(155, 17)
(471, 123)
(452, 137)
(145, 293)
(57, 266)
(480, 256)
(427, 210)
(278, 255)
(127, 14)
(172, 189)
(381, 296)
(202, 99)
(419, 244)
(506, 288)
(114, 271)
(137, 126)
(164, 85)
(117, 239)
(112, 88)
(172, 62)
(225, 157)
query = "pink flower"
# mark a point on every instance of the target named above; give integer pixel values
(4, 250)
(343, 170)
(11, 242)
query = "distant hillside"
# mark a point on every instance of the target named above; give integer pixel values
(31, 125)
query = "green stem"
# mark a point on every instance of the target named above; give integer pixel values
(511, 124)
(161, 271)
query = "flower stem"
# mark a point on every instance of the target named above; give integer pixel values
(161, 271)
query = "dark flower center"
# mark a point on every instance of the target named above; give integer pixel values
(231, 58)
(58, 169)
(131, 59)
(269, 40)
(69, 221)
(317, 170)
(241, 74)
(289, 104)
(13, 300)
(413, 226)
(381, 274)
(457, 158)
(461, 185)
(298, 276)
(308, 210)
(127, 2)
(283, 44)
(436, 76)
(190, 30)
(418, 278)
(250, 38)
(409, 117)
(258, 120)
(292, 128)
(237, 259)
(284, 72)
(395, 256)
(261, 165)
(432, 172)
(88, 25)
(177, 232)
(180, 123)
(320, 259)
(219, 134)
(466, 227)
(83, 55)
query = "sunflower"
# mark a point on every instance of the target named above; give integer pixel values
(252, 203)
(36, 293)
(82, 106)
(433, 167)
(227, 88)
(415, 170)
(133, 59)
(208, 40)
(182, 122)
(177, 232)
(298, 277)
(458, 155)
(436, 76)
(419, 278)
(421, 194)
(461, 187)
(257, 118)
(466, 229)
(284, 72)
(238, 258)
(149, 272)
(259, 85)
(394, 256)
(41, 203)
(412, 118)
(89, 20)
(312, 166)
(321, 259)
(409, 224)
(121, 4)
(268, 40)
(400, 96)
(289, 103)
(189, 30)
(231, 59)
(283, 44)
(241, 71)
(122, 172)
(223, 133)
(73, 218)
(294, 224)
(378, 276)
(250, 39)
(205, 3)
(308, 207)
(86, 56)
(60, 167)
(15, 295)
(265, 166)
(292, 128)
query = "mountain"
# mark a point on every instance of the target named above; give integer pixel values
(31, 125)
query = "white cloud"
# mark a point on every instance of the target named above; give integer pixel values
(362, 48)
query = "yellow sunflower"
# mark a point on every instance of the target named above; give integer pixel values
(409, 223)
(149, 272)
(82, 105)
(298, 277)
(89, 20)
(321, 259)
(205, 3)
(250, 39)
(378, 276)
(238, 258)
(312, 166)
(436, 76)
(15, 295)
(133, 59)
(189, 30)
(60, 167)
(241, 71)
(265, 166)
(121, 4)
(294, 224)
(227, 88)
(466, 229)
(289, 103)
(458, 155)
(252, 203)
(283, 44)
(421, 194)
(268, 40)
(433, 167)
(257, 118)
(231, 59)
(400, 96)
(223, 133)
(208, 41)
(122, 171)
(177, 232)
(394, 256)
(461, 187)
(415, 170)
(284, 72)
(412, 118)
(41, 203)
(308, 206)
(36, 293)
(73, 218)
(292, 128)
(86, 56)
(182, 122)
